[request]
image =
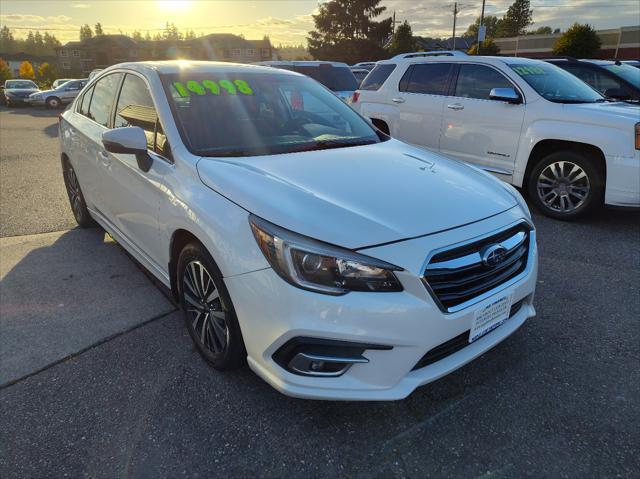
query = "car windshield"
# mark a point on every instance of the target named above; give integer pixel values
(626, 72)
(251, 114)
(555, 84)
(10, 84)
(334, 78)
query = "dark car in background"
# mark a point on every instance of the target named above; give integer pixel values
(16, 92)
(612, 78)
(336, 76)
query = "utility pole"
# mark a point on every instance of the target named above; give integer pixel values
(455, 14)
(481, 31)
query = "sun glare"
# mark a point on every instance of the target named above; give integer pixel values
(175, 6)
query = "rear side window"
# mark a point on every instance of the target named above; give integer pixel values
(102, 98)
(135, 108)
(477, 81)
(334, 78)
(427, 78)
(83, 106)
(376, 78)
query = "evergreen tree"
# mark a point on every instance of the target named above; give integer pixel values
(518, 17)
(7, 42)
(402, 41)
(98, 29)
(85, 32)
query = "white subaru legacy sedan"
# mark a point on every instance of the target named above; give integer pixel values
(338, 262)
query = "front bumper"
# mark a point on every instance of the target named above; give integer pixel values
(623, 181)
(272, 312)
(15, 100)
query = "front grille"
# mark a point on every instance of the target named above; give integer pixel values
(459, 275)
(454, 345)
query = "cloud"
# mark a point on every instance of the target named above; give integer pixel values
(80, 5)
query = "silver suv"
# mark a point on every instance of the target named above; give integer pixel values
(59, 96)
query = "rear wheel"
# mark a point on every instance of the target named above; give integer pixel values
(208, 312)
(566, 185)
(76, 198)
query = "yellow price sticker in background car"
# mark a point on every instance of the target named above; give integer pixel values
(211, 87)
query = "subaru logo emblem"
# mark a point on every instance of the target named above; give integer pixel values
(494, 255)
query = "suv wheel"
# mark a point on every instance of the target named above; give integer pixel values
(207, 309)
(565, 185)
(76, 198)
(53, 102)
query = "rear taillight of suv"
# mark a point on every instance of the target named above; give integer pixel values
(355, 97)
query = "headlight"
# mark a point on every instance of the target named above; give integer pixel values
(317, 266)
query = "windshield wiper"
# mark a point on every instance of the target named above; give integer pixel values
(336, 143)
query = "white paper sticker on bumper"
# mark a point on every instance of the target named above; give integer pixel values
(490, 317)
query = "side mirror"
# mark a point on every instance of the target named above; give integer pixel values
(505, 94)
(617, 93)
(129, 140)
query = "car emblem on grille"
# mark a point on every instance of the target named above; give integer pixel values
(494, 255)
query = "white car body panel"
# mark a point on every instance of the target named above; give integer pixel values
(512, 130)
(407, 201)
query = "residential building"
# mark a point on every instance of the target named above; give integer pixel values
(80, 57)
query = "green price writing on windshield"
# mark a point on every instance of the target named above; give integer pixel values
(529, 70)
(210, 87)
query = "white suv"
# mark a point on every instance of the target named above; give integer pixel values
(526, 121)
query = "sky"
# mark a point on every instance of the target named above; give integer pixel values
(286, 21)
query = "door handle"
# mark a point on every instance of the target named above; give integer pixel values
(455, 106)
(104, 158)
(398, 100)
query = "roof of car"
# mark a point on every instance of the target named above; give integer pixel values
(466, 58)
(300, 63)
(176, 66)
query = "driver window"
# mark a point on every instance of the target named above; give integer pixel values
(477, 81)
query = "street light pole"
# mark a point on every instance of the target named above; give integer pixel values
(455, 14)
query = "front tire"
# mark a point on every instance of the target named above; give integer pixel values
(53, 103)
(566, 185)
(76, 198)
(207, 309)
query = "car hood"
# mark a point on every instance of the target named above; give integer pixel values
(620, 110)
(358, 196)
(21, 90)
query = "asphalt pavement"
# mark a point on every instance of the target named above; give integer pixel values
(560, 398)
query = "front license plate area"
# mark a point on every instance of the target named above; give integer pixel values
(489, 317)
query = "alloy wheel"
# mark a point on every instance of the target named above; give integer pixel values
(563, 186)
(73, 189)
(205, 308)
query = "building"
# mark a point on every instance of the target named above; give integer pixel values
(80, 57)
(622, 43)
(14, 60)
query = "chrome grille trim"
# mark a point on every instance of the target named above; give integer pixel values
(519, 249)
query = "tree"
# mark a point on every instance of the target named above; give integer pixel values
(47, 73)
(26, 71)
(345, 30)
(98, 29)
(491, 23)
(489, 47)
(85, 32)
(5, 71)
(579, 41)
(136, 35)
(402, 41)
(7, 42)
(557, 30)
(541, 31)
(171, 32)
(190, 35)
(518, 17)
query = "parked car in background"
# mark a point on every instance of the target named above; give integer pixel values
(338, 262)
(613, 79)
(16, 92)
(529, 122)
(633, 63)
(60, 82)
(336, 76)
(58, 97)
(359, 73)
(366, 65)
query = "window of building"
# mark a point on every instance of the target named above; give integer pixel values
(66, 66)
(251, 52)
(427, 78)
(102, 98)
(235, 52)
(64, 53)
(135, 108)
(75, 53)
(265, 52)
(477, 81)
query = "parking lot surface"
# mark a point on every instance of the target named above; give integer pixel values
(107, 383)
